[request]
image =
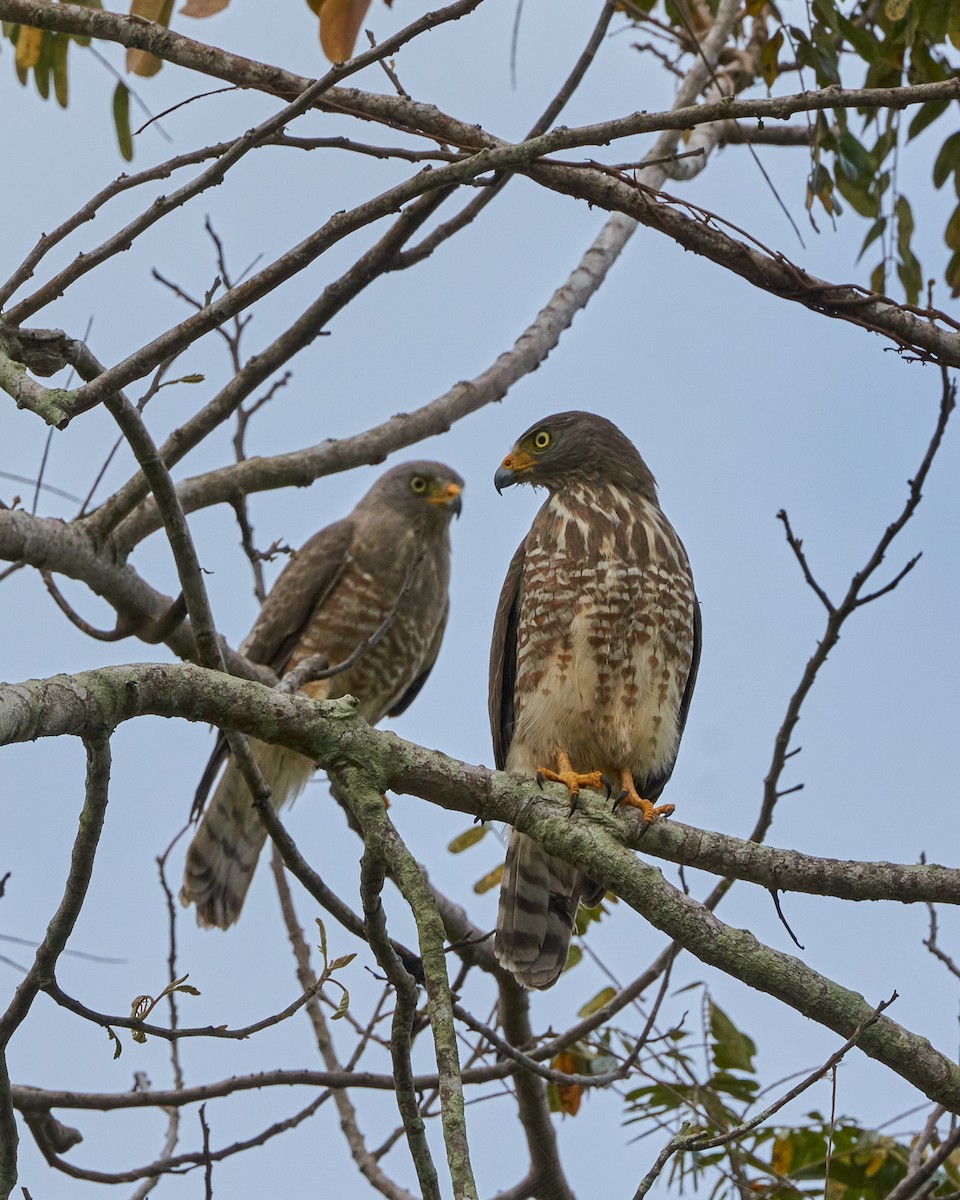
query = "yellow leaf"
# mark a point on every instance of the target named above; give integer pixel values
(600, 999)
(782, 1156)
(470, 837)
(490, 880)
(877, 1159)
(29, 44)
(203, 8)
(340, 22)
(895, 10)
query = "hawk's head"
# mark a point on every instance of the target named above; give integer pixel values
(420, 488)
(574, 448)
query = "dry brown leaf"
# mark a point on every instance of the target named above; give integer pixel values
(28, 47)
(140, 62)
(203, 8)
(340, 22)
(569, 1094)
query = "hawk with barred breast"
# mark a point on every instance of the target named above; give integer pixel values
(595, 651)
(376, 580)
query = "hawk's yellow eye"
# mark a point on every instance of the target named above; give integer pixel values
(418, 485)
(541, 439)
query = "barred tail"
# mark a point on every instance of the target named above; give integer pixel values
(223, 855)
(539, 897)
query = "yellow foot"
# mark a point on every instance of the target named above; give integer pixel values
(629, 795)
(572, 780)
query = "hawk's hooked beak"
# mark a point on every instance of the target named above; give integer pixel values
(449, 497)
(510, 470)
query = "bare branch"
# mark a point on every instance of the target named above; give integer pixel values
(838, 614)
(58, 931)
(366, 1162)
(372, 877)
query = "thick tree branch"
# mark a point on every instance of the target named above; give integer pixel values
(135, 33)
(911, 330)
(333, 734)
(335, 737)
(65, 549)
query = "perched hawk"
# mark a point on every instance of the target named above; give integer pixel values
(390, 555)
(594, 656)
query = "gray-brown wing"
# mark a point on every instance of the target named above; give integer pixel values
(503, 659)
(301, 588)
(651, 789)
(413, 690)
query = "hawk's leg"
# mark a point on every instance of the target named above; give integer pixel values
(572, 780)
(630, 795)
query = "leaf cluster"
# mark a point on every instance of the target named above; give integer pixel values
(894, 44)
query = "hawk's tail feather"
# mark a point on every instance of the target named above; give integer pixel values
(539, 897)
(223, 855)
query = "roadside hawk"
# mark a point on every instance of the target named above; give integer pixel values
(594, 657)
(384, 568)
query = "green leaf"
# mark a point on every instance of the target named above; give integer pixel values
(905, 223)
(926, 115)
(342, 1007)
(876, 229)
(178, 986)
(121, 119)
(952, 233)
(858, 158)
(470, 837)
(574, 955)
(323, 941)
(599, 1000)
(860, 38)
(343, 961)
(61, 44)
(878, 278)
(732, 1050)
(911, 277)
(866, 203)
(947, 161)
(587, 916)
(41, 72)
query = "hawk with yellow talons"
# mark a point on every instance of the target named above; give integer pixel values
(594, 657)
(572, 780)
(368, 593)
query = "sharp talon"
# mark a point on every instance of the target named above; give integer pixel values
(574, 797)
(616, 800)
(539, 779)
(608, 785)
(644, 826)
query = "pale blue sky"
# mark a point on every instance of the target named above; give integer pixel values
(742, 404)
